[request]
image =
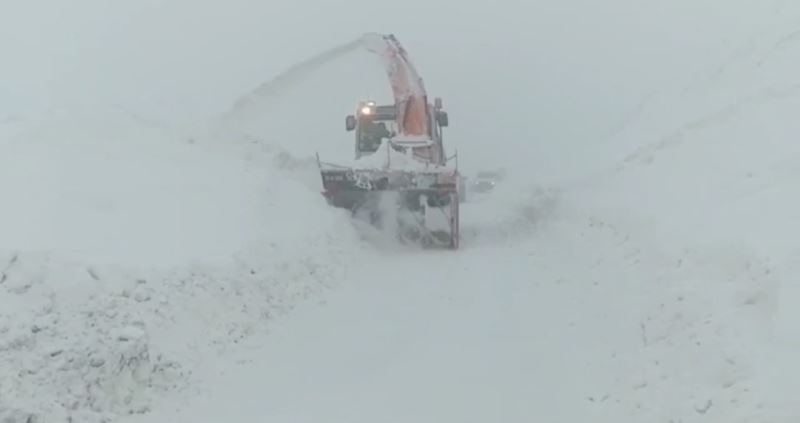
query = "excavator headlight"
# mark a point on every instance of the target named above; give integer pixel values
(366, 110)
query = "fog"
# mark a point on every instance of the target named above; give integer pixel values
(527, 81)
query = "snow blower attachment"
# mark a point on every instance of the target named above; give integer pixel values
(400, 178)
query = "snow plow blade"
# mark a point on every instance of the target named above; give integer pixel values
(422, 207)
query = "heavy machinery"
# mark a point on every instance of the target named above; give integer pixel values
(401, 177)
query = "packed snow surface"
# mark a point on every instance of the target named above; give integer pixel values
(161, 268)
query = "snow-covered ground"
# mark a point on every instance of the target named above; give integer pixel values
(129, 255)
(154, 270)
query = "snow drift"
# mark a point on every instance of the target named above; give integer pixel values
(129, 253)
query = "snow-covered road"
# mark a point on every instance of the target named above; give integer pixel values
(580, 322)
(491, 334)
(638, 264)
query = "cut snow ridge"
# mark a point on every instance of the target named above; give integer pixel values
(129, 254)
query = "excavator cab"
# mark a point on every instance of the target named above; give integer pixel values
(372, 125)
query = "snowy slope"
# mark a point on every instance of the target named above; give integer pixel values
(130, 254)
(147, 267)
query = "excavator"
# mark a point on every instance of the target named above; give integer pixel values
(401, 178)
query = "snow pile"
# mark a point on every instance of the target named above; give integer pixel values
(129, 254)
(72, 346)
(91, 342)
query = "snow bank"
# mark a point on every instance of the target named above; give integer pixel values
(129, 254)
(90, 342)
